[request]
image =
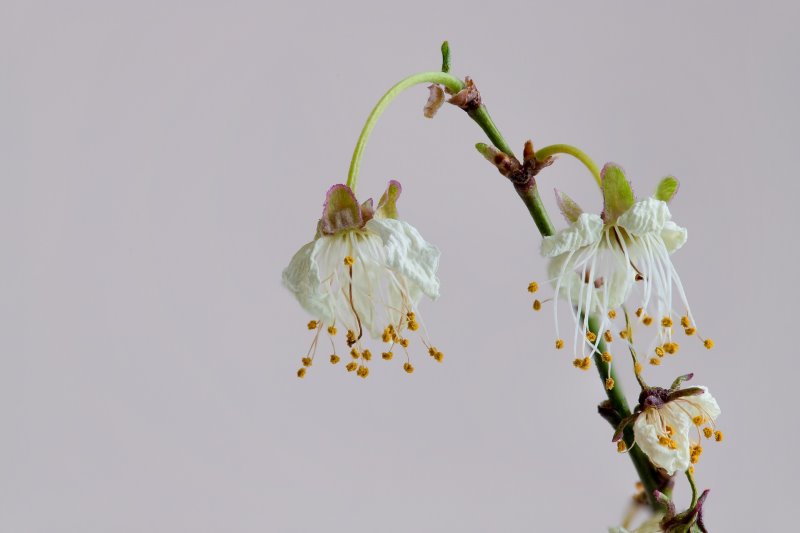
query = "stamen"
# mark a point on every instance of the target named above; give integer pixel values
(707, 432)
(533, 287)
(352, 365)
(306, 361)
(637, 368)
(387, 356)
(659, 351)
(639, 312)
(334, 359)
(612, 314)
(685, 322)
(689, 331)
(621, 446)
(609, 383)
(367, 355)
(354, 353)
(708, 343)
(537, 305)
(655, 361)
(718, 436)
(349, 261)
(301, 373)
(608, 336)
(559, 344)
(666, 322)
(312, 324)
(590, 336)
(408, 368)
(647, 320)
(606, 357)
(332, 330)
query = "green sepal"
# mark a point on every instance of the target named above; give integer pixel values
(387, 207)
(340, 211)
(617, 193)
(667, 188)
(568, 207)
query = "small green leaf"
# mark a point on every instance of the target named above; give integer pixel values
(666, 189)
(387, 207)
(680, 379)
(568, 207)
(445, 57)
(617, 192)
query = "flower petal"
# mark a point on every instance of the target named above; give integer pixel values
(673, 235)
(408, 254)
(643, 217)
(302, 278)
(587, 229)
(646, 432)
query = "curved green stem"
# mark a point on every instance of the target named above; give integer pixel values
(690, 477)
(578, 154)
(448, 80)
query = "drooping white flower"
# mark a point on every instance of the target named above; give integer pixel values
(669, 424)
(365, 271)
(598, 259)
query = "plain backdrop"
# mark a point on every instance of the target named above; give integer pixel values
(161, 161)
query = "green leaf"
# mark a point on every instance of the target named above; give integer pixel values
(568, 207)
(666, 189)
(617, 192)
(445, 57)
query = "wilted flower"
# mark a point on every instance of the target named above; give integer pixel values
(364, 272)
(669, 424)
(597, 259)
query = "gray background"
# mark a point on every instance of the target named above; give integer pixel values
(161, 162)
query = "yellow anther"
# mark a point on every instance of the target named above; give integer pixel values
(655, 361)
(408, 368)
(362, 371)
(708, 343)
(637, 367)
(609, 383)
(348, 261)
(707, 432)
(312, 324)
(659, 351)
(413, 325)
(685, 321)
(367, 355)
(586, 363)
(718, 436)
(690, 331)
(647, 320)
(666, 322)
(608, 336)
(606, 357)
(537, 305)
(411, 316)
(694, 458)
(354, 353)
(387, 356)
(351, 337)
(639, 312)
(612, 314)
(306, 361)
(621, 447)
(577, 362)
(301, 373)
(332, 330)
(559, 344)
(386, 337)
(352, 365)
(403, 343)
(669, 430)
(590, 336)
(334, 359)
(698, 420)
(664, 441)
(533, 287)
(673, 445)
(439, 356)
(671, 348)
(623, 334)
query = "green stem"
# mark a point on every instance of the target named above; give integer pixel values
(617, 398)
(690, 477)
(448, 80)
(578, 154)
(481, 116)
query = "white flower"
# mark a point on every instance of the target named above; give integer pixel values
(365, 272)
(597, 260)
(669, 424)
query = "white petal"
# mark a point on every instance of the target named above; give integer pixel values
(673, 236)
(408, 254)
(302, 278)
(700, 405)
(586, 230)
(646, 433)
(646, 216)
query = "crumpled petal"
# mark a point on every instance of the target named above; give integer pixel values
(408, 254)
(703, 405)
(646, 216)
(587, 229)
(646, 433)
(302, 278)
(673, 235)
